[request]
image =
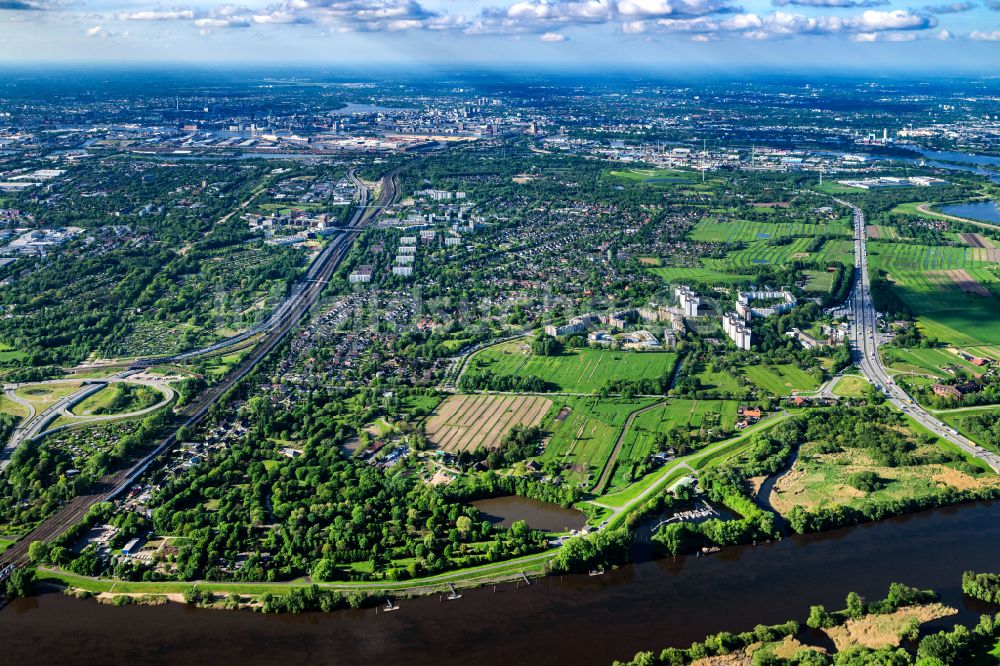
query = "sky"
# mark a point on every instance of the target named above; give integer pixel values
(644, 34)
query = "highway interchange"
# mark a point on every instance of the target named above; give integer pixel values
(298, 303)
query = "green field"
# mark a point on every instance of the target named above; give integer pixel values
(9, 353)
(716, 416)
(851, 386)
(931, 360)
(710, 380)
(573, 371)
(116, 399)
(821, 281)
(656, 176)
(584, 433)
(677, 274)
(781, 379)
(944, 311)
(746, 231)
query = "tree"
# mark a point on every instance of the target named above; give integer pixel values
(819, 618)
(855, 605)
(38, 551)
(20, 583)
(463, 524)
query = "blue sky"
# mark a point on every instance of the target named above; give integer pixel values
(656, 34)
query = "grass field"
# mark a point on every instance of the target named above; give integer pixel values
(8, 406)
(42, 396)
(9, 353)
(573, 371)
(851, 386)
(717, 416)
(101, 402)
(584, 432)
(710, 380)
(952, 290)
(931, 360)
(821, 480)
(746, 231)
(821, 281)
(468, 422)
(656, 176)
(781, 379)
(710, 276)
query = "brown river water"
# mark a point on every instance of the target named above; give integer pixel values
(573, 619)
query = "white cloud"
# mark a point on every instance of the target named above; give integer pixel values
(980, 36)
(830, 3)
(951, 8)
(553, 37)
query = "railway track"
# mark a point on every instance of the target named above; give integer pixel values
(291, 312)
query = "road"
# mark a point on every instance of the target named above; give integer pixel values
(865, 339)
(293, 309)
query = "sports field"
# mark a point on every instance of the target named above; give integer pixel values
(468, 422)
(781, 379)
(573, 371)
(584, 433)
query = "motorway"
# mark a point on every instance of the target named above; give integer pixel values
(292, 309)
(865, 339)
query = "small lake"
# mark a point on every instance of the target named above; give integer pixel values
(984, 211)
(505, 511)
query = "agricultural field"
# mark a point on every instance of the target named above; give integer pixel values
(584, 432)
(745, 231)
(781, 379)
(763, 254)
(573, 371)
(716, 417)
(931, 360)
(822, 480)
(952, 290)
(469, 422)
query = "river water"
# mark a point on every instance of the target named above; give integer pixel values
(575, 619)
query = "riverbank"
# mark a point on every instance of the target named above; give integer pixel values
(557, 619)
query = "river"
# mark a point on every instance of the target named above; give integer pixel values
(575, 619)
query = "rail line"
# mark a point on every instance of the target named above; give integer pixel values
(281, 322)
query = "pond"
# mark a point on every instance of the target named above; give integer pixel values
(539, 515)
(984, 211)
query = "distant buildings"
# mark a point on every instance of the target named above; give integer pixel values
(688, 299)
(361, 274)
(744, 308)
(737, 330)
